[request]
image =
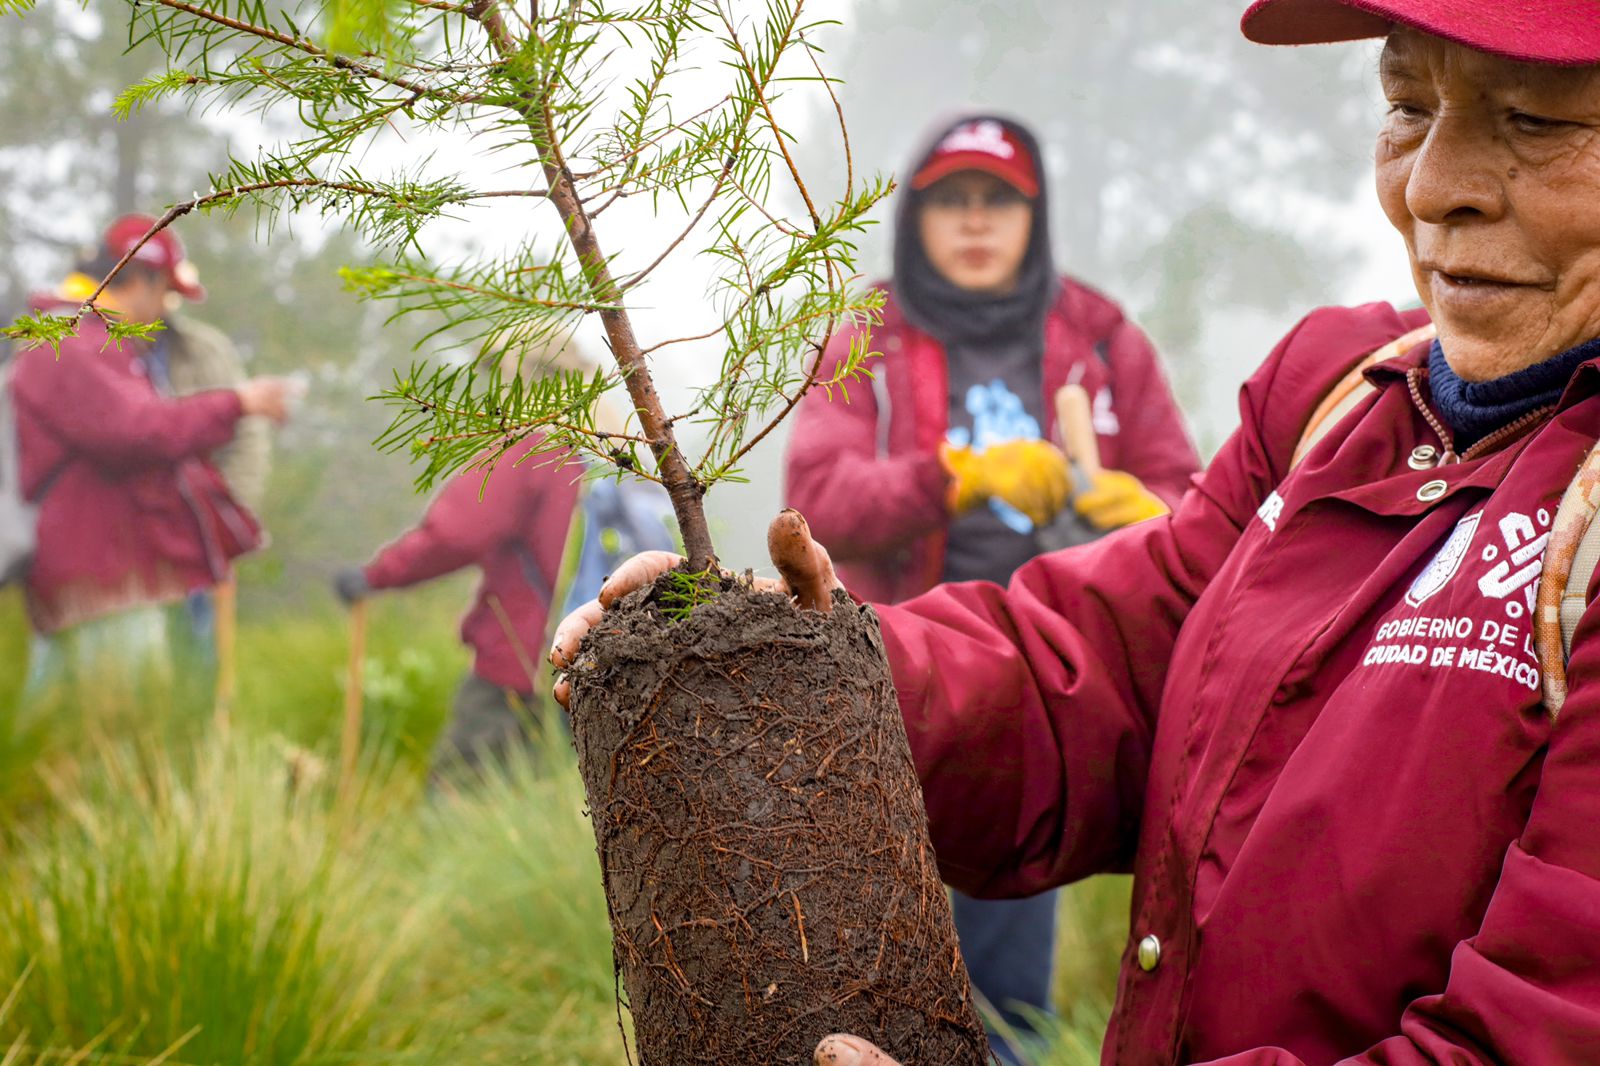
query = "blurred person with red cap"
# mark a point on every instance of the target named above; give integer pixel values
(953, 440)
(1340, 711)
(188, 355)
(134, 517)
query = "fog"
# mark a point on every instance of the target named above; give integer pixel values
(1217, 189)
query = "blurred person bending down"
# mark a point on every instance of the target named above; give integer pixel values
(134, 517)
(952, 441)
(515, 526)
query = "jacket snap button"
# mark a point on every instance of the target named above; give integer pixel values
(1149, 953)
(1423, 457)
(1432, 491)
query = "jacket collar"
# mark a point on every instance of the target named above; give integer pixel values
(1584, 382)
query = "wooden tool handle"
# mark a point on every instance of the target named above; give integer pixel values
(1075, 427)
(225, 604)
(350, 741)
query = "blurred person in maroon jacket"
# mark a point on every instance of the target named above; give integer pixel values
(951, 438)
(133, 516)
(513, 528)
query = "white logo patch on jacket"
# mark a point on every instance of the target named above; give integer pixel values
(1489, 634)
(1437, 574)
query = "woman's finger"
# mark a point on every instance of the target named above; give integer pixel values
(636, 573)
(803, 563)
(843, 1050)
(569, 634)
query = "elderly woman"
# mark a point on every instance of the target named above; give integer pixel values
(1304, 708)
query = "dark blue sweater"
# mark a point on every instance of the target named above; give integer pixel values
(1475, 409)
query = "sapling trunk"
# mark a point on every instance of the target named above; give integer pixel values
(685, 490)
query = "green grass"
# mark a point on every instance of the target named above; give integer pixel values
(217, 908)
(175, 893)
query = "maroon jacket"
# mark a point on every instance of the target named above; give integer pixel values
(514, 528)
(864, 467)
(1305, 710)
(130, 510)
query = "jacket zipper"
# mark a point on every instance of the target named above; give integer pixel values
(1446, 438)
(1484, 446)
(1507, 432)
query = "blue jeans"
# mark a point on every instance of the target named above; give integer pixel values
(127, 647)
(1009, 947)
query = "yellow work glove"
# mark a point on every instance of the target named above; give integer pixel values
(1115, 499)
(1030, 475)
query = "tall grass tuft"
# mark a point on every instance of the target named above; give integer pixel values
(524, 974)
(223, 908)
(175, 896)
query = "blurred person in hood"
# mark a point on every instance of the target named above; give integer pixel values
(954, 440)
(134, 516)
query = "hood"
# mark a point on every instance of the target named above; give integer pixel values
(943, 310)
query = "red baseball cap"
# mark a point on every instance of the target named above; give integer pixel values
(1557, 32)
(163, 252)
(987, 145)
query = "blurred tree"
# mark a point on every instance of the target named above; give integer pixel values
(68, 165)
(1189, 168)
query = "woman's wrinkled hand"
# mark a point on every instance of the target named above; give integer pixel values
(843, 1050)
(804, 569)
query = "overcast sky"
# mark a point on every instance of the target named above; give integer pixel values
(674, 303)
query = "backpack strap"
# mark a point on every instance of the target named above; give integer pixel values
(1352, 389)
(1570, 561)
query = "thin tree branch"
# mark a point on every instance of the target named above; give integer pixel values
(788, 408)
(500, 294)
(684, 340)
(716, 191)
(758, 87)
(537, 194)
(778, 224)
(838, 110)
(440, 5)
(637, 150)
(620, 194)
(178, 210)
(310, 49)
(521, 428)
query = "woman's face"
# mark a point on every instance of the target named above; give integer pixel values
(975, 230)
(1490, 170)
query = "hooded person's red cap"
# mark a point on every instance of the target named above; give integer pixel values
(1557, 32)
(982, 144)
(162, 253)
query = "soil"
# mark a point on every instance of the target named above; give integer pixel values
(762, 836)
